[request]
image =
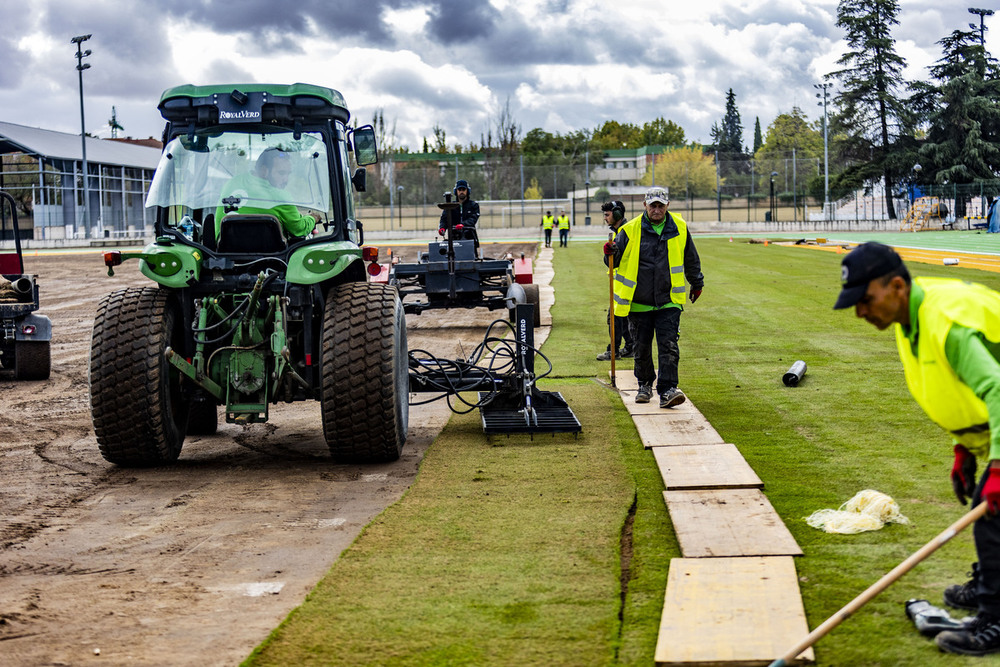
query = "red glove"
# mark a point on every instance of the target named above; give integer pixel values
(963, 474)
(459, 227)
(441, 231)
(695, 293)
(610, 248)
(991, 492)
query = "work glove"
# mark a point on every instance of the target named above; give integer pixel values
(991, 491)
(963, 474)
(695, 293)
(610, 248)
(441, 231)
(459, 227)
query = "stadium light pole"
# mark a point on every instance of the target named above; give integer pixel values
(982, 28)
(824, 96)
(399, 188)
(80, 66)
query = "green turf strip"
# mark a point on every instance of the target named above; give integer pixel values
(507, 551)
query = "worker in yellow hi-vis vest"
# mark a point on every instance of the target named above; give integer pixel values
(948, 338)
(563, 229)
(655, 255)
(547, 223)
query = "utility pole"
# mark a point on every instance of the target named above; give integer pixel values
(982, 27)
(80, 66)
(825, 97)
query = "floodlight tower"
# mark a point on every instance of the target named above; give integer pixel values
(80, 66)
(824, 96)
(982, 27)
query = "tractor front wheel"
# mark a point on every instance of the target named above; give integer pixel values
(139, 409)
(366, 382)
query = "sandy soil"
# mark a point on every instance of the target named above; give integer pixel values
(189, 564)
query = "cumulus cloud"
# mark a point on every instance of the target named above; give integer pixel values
(564, 65)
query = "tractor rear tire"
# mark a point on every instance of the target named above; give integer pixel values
(365, 371)
(139, 408)
(32, 360)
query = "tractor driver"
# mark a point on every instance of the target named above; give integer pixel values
(466, 215)
(266, 185)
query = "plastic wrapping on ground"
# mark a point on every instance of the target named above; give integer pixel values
(867, 510)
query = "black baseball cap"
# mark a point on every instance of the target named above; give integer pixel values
(861, 266)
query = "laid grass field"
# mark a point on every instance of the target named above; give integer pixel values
(514, 551)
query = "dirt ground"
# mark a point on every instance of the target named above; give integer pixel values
(188, 564)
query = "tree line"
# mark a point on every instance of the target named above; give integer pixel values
(883, 130)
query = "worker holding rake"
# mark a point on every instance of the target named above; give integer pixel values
(948, 337)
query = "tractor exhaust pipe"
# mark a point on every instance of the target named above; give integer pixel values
(23, 286)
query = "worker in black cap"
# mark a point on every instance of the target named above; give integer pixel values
(465, 216)
(948, 336)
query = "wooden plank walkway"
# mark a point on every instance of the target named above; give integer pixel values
(728, 522)
(734, 598)
(730, 611)
(687, 467)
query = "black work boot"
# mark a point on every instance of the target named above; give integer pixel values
(671, 397)
(644, 394)
(981, 638)
(963, 596)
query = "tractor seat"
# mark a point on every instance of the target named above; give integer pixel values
(10, 264)
(251, 235)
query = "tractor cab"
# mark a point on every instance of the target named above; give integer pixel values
(256, 169)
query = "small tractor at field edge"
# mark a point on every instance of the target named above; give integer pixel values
(25, 335)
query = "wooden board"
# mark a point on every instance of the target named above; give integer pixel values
(705, 467)
(728, 522)
(730, 611)
(657, 430)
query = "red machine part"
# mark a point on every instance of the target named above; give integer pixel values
(522, 270)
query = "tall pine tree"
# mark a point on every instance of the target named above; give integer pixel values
(758, 139)
(873, 118)
(963, 115)
(728, 137)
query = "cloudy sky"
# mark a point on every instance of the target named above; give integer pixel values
(564, 65)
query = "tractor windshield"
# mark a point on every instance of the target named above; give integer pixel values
(231, 170)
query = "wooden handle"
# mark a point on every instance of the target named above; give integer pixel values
(611, 311)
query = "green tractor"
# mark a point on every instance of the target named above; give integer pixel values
(262, 291)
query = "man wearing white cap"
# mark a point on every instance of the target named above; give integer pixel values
(654, 255)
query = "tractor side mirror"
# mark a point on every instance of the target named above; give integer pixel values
(360, 179)
(365, 148)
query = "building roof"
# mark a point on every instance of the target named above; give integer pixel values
(64, 146)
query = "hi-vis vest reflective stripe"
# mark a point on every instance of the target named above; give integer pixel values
(628, 267)
(563, 222)
(947, 400)
(547, 221)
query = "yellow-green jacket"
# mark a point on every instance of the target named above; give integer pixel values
(563, 222)
(950, 355)
(664, 261)
(547, 221)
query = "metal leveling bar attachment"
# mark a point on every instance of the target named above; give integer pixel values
(857, 603)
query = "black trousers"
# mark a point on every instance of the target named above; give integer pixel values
(548, 238)
(623, 331)
(986, 534)
(664, 324)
